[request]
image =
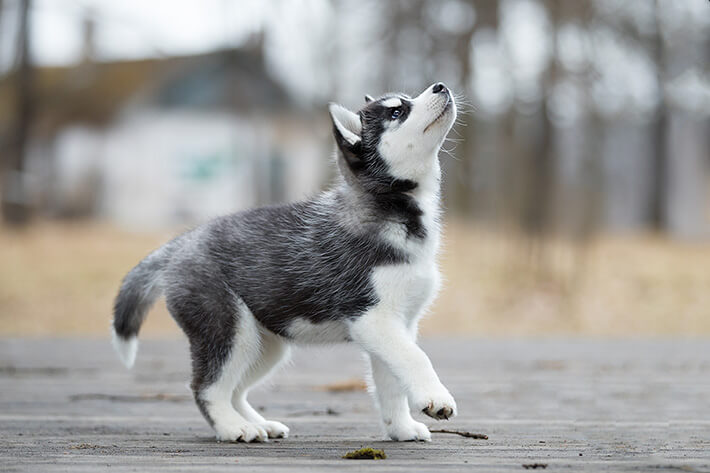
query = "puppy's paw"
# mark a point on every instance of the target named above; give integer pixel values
(241, 432)
(408, 430)
(438, 405)
(275, 430)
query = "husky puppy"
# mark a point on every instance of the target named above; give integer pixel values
(356, 264)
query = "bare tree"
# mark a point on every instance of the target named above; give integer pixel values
(465, 195)
(14, 200)
(537, 213)
(657, 217)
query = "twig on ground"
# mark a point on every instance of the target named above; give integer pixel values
(462, 433)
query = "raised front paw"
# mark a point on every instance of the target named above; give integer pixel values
(408, 430)
(241, 432)
(439, 404)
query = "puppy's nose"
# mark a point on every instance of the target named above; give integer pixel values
(439, 88)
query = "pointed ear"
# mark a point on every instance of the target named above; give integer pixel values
(347, 129)
(368, 98)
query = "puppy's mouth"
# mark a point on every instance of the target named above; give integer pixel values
(444, 111)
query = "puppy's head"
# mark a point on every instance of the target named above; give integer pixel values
(393, 138)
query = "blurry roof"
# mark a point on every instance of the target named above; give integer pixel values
(232, 79)
(235, 79)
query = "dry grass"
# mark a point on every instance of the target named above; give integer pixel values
(615, 286)
(60, 279)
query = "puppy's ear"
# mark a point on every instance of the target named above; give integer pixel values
(368, 98)
(346, 130)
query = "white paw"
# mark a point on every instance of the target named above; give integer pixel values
(438, 404)
(408, 430)
(241, 432)
(275, 430)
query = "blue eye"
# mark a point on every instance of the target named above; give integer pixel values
(396, 113)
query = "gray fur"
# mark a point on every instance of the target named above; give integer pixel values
(139, 291)
(299, 261)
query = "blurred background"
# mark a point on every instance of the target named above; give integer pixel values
(575, 184)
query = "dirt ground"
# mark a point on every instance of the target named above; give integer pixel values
(60, 279)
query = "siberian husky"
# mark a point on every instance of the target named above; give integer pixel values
(357, 263)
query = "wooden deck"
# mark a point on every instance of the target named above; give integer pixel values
(573, 405)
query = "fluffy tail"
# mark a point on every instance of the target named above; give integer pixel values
(139, 290)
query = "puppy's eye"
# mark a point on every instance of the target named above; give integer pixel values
(396, 113)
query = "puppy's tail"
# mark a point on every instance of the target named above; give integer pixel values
(139, 290)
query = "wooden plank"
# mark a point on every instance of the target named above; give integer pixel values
(575, 405)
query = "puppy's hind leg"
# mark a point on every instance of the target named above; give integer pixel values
(274, 350)
(221, 355)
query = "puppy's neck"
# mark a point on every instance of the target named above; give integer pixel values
(414, 207)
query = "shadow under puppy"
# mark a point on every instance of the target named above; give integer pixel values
(356, 263)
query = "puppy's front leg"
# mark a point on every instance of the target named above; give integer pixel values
(385, 336)
(394, 408)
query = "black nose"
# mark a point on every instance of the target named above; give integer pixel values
(439, 88)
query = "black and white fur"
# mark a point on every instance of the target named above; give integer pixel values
(357, 264)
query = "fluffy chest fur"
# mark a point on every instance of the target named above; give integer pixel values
(407, 289)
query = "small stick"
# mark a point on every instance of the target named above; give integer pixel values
(462, 433)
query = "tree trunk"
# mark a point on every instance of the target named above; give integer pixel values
(14, 199)
(659, 164)
(467, 197)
